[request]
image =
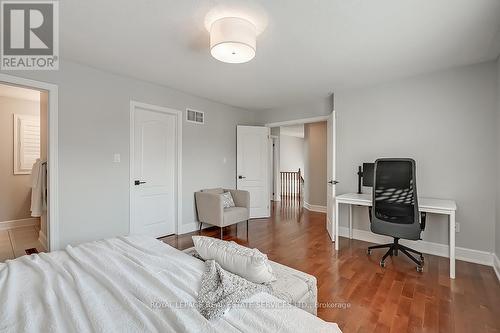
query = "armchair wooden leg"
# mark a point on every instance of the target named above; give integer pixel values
(220, 232)
(236, 230)
(201, 224)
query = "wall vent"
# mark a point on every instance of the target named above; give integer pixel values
(194, 116)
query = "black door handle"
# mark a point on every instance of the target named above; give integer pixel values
(138, 182)
(333, 182)
(241, 177)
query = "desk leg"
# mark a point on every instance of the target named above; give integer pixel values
(336, 225)
(350, 221)
(452, 245)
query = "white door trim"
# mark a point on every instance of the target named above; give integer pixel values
(298, 121)
(178, 164)
(53, 153)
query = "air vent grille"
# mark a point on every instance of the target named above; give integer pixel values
(194, 116)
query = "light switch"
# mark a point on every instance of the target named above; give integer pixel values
(116, 158)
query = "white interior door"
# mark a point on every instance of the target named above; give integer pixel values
(330, 212)
(154, 162)
(253, 167)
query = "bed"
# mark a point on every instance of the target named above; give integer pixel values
(128, 284)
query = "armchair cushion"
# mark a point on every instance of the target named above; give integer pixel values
(234, 215)
(241, 198)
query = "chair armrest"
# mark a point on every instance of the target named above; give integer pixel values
(209, 208)
(241, 198)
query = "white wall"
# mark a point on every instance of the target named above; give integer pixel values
(94, 111)
(445, 120)
(291, 153)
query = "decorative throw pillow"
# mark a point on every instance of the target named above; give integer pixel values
(248, 263)
(227, 200)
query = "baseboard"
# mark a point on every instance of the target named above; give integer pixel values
(42, 238)
(29, 222)
(193, 226)
(442, 250)
(496, 265)
(314, 208)
(188, 227)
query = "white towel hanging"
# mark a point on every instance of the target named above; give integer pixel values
(38, 188)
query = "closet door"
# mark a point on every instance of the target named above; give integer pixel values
(154, 159)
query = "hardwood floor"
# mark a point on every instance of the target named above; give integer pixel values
(391, 299)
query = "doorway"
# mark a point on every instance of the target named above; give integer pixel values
(155, 170)
(306, 164)
(24, 194)
(51, 97)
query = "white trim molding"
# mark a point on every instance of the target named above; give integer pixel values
(298, 121)
(28, 222)
(53, 152)
(42, 238)
(496, 265)
(441, 250)
(314, 208)
(178, 168)
(193, 226)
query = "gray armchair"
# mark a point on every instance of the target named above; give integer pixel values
(211, 210)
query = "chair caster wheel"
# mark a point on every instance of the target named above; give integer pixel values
(382, 263)
(420, 269)
(368, 252)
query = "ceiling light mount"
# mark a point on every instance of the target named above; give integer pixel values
(233, 40)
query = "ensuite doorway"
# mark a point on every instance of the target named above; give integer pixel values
(24, 159)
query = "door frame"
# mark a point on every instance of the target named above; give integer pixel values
(331, 188)
(297, 122)
(178, 163)
(274, 167)
(53, 241)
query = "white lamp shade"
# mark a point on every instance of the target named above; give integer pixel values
(233, 40)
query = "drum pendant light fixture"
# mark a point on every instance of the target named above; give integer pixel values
(233, 40)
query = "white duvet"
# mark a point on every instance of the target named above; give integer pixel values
(130, 284)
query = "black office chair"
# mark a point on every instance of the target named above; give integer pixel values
(395, 207)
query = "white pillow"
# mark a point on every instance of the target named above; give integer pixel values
(248, 263)
(227, 200)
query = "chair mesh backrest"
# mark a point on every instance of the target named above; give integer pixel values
(395, 193)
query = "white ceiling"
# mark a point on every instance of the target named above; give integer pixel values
(307, 50)
(19, 93)
(293, 130)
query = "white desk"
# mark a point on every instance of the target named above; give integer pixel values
(434, 206)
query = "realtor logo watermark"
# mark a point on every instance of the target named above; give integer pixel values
(30, 35)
